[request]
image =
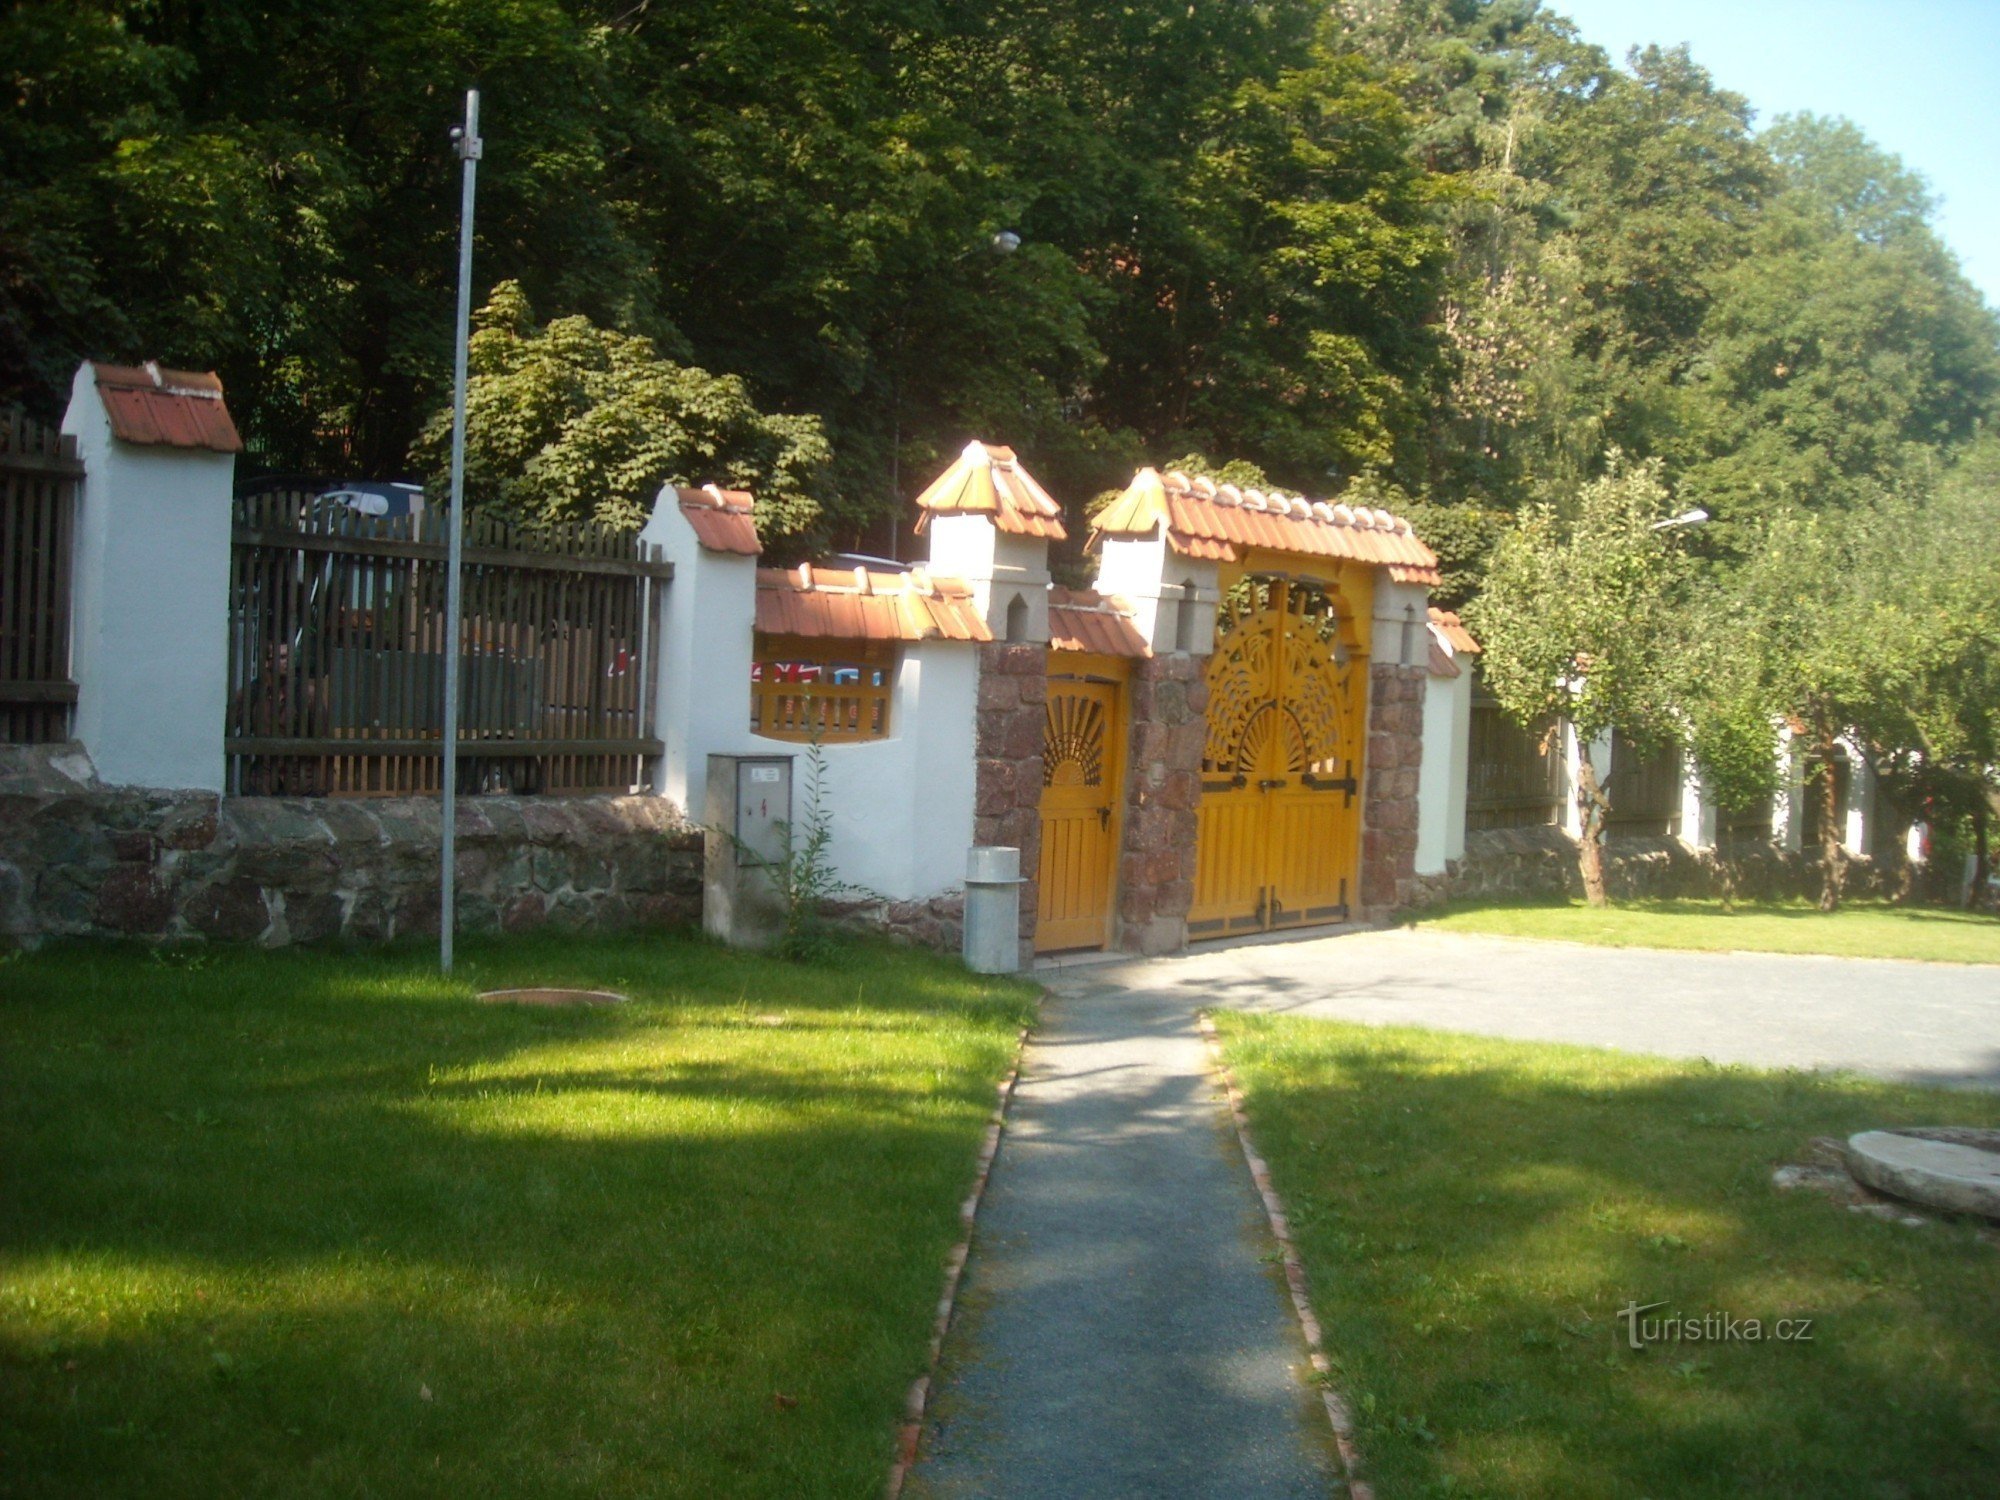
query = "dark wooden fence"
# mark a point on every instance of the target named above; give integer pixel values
(1513, 775)
(1645, 787)
(39, 471)
(336, 654)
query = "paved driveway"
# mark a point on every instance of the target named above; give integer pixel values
(1927, 1023)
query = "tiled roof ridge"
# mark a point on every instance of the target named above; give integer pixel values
(1275, 501)
(202, 385)
(152, 407)
(1204, 519)
(988, 480)
(723, 520)
(1447, 624)
(717, 498)
(862, 604)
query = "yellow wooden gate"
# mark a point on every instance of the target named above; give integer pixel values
(1280, 829)
(1083, 750)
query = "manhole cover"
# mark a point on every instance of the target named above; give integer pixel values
(552, 997)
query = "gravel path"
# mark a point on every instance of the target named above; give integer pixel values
(1120, 1331)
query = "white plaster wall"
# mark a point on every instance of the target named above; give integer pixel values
(150, 611)
(702, 671)
(902, 806)
(1441, 785)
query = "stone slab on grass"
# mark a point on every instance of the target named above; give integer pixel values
(1954, 1170)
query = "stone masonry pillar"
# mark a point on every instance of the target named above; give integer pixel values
(1007, 796)
(1156, 864)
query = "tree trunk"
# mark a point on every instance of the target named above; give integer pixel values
(1593, 804)
(1832, 857)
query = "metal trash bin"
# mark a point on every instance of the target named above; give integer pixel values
(993, 882)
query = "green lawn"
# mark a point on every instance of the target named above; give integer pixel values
(320, 1224)
(1474, 1213)
(1857, 930)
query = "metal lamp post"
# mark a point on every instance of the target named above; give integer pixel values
(468, 143)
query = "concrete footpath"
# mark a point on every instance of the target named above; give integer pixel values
(1122, 1329)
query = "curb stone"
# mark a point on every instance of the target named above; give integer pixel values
(910, 1429)
(1338, 1413)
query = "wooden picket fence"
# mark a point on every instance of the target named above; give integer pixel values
(1513, 776)
(39, 475)
(1645, 787)
(337, 652)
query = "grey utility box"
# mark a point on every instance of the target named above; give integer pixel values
(748, 823)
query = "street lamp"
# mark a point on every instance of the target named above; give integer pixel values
(1695, 517)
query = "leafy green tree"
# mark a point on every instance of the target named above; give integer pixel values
(1728, 714)
(575, 422)
(1577, 620)
(1940, 707)
(1845, 348)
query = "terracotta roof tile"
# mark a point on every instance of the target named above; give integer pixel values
(158, 408)
(1219, 523)
(721, 519)
(1082, 620)
(854, 604)
(1449, 628)
(988, 480)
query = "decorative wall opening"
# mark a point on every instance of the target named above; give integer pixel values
(1017, 618)
(839, 691)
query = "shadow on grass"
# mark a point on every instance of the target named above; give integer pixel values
(1474, 1214)
(321, 1224)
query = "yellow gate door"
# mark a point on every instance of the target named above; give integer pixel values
(1279, 825)
(1082, 756)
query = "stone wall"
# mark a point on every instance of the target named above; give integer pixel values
(937, 924)
(1007, 800)
(78, 858)
(1156, 861)
(1389, 792)
(1539, 863)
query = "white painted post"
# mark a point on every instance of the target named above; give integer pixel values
(1173, 598)
(1002, 568)
(702, 667)
(1858, 816)
(1441, 788)
(150, 608)
(1788, 812)
(1573, 752)
(1699, 827)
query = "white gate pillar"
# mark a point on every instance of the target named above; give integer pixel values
(701, 672)
(150, 607)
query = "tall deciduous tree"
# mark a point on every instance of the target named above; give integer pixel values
(574, 422)
(1845, 348)
(1578, 623)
